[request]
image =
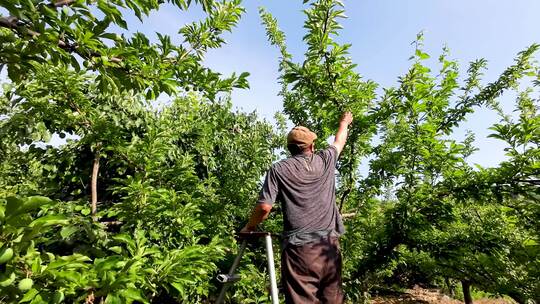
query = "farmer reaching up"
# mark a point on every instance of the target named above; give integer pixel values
(305, 185)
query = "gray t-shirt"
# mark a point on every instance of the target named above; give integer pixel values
(305, 186)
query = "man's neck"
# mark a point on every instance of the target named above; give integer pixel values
(306, 153)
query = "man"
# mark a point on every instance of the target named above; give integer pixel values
(305, 185)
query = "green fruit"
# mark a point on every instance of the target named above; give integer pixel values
(6, 254)
(6, 280)
(25, 284)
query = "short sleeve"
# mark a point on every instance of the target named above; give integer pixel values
(329, 155)
(269, 191)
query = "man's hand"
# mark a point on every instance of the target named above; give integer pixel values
(341, 135)
(246, 229)
(346, 118)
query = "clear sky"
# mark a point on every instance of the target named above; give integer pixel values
(380, 32)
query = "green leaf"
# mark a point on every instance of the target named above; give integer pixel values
(85, 211)
(67, 231)
(421, 55)
(179, 287)
(49, 220)
(133, 294)
(113, 299)
(13, 205)
(41, 298)
(58, 297)
(35, 202)
(29, 295)
(126, 239)
(116, 249)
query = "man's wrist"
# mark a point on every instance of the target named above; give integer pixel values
(251, 227)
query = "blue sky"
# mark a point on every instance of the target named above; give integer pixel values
(380, 32)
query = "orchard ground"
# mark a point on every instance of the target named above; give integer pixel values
(419, 295)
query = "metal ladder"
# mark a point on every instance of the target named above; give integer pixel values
(231, 277)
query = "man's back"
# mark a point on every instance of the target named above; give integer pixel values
(305, 186)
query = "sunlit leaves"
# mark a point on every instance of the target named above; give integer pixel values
(79, 34)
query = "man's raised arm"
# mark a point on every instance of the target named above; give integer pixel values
(341, 135)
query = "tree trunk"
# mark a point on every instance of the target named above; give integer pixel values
(365, 297)
(450, 287)
(95, 172)
(519, 298)
(466, 285)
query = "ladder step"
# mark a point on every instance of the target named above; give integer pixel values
(225, 278)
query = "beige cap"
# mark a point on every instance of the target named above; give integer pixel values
(301, 136)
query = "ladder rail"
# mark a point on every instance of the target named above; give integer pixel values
(271, 269)
(230, 278)
(226, 285)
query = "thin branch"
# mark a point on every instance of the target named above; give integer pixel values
(344, 196)
(62, 3)
(23, 30)
(529, 181)
(348, 215)
(112, 223)
(351, 171)
(73, 106)
(95, 172)
(326, 59)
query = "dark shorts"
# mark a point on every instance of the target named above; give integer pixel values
(311, 273)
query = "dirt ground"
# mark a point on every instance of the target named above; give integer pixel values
(419, 295)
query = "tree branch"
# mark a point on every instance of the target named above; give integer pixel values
(348, 215)
(62, 3)
(351, 171)
(327, 60)
(344, 196)
(95, 172)
(9, 22)
(529, 181)
(22, 29)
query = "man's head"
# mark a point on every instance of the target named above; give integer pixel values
(300, 140)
